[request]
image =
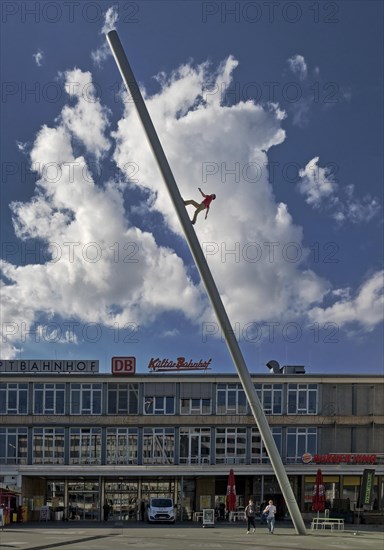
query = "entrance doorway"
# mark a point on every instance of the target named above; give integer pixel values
(152, 488)
(83, 500)
(122, 496)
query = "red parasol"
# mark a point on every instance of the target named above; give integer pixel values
(318, 498)
(231, 492)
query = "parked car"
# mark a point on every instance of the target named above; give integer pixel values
(161, 509)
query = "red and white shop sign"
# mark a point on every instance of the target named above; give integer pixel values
(123, 365)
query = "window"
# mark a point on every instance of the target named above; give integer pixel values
(300, 441)
(122, 446)
(259, 453)
(195, 406)
(123, 398)
(159, 404)
(231, 444)
(85, 446)
(158, 446)
(13, 398)
(271, 397)
(13, 445)
(85, 398)
(195, 445)
(48, 398)
(230, 399)
(48, 446)
(302, 398)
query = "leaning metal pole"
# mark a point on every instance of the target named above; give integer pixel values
(205, 273)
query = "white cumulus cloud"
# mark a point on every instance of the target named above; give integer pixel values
(103, 266)
(298, 66)
(88, 119)
(98, 268)
(218, 148)
(38, 57)
(316, 183)
(318, 186)
(365, 309)
(305, 95)
(111, 17)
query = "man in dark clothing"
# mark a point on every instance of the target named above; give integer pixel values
(250, 515)
(106, 509)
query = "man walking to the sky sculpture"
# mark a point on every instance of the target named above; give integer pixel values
(204, 205)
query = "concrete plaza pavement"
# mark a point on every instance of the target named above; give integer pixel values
(184, 536)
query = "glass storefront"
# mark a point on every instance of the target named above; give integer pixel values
(158, 488)
(351, 488)
(56, 498)
(83, 500)
(123, 498)
(332, 491)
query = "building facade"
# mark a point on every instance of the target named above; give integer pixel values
(73, 439)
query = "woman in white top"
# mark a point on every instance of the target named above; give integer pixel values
(271, 511)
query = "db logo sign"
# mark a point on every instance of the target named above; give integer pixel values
(123, 365)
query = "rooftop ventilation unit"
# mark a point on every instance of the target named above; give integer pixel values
(275, 368)
(293, 369)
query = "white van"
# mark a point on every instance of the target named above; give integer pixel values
(161, 509)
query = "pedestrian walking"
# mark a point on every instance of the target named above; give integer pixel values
(106, 509)
(270, 510)
(250, 516)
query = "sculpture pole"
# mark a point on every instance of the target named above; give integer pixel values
(205, 273)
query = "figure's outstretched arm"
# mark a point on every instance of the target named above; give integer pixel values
(204, 195)
(206, 213)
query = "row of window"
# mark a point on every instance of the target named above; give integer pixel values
(124, 399)
(156, 445)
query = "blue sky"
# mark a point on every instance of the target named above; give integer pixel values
(277, 109)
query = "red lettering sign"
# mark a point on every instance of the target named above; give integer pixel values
(337, 458)
(123, 365)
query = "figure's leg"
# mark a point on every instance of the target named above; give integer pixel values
(200, 208)
(194, 203)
